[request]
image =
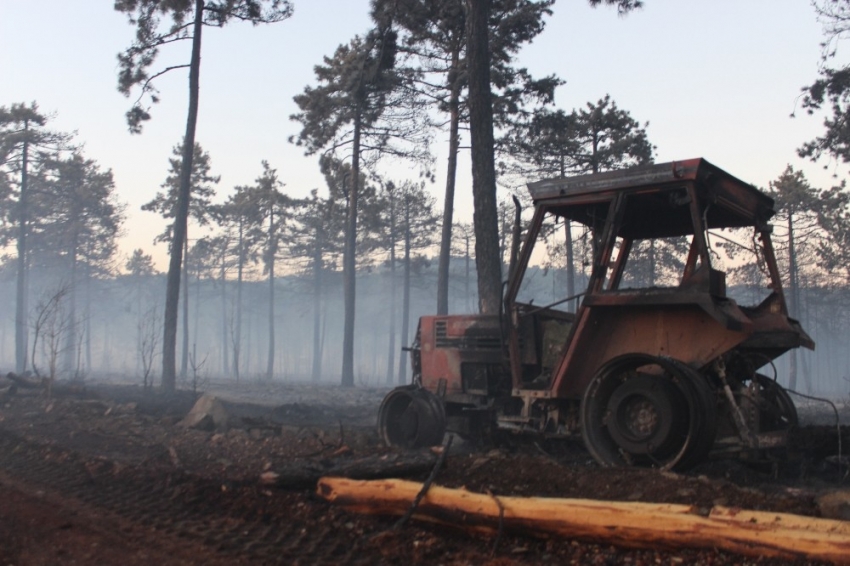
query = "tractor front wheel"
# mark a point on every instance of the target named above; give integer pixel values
(411, 417)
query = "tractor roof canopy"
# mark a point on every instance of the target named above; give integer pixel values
(658, 196)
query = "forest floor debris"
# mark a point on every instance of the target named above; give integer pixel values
(117, 449)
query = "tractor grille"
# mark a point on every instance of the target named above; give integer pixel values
(473, 338)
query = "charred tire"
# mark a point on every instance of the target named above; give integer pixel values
(411, 417)
(706, 415)
(641, 410)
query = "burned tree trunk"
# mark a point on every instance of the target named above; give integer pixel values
(300, 473)
(485, 216)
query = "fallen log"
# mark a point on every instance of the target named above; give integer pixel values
(634, 525)
(63, 388)
(299, 473)
(24, 382)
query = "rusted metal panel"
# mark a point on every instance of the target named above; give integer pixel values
(734, 192)
(732, 202)
(448, 342)
(684, 332)
(634, 178)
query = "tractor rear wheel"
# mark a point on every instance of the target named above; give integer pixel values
(641, 410)
(411, 417)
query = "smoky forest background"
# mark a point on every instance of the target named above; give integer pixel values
(264, 286)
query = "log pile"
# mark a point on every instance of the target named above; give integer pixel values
(634, 525)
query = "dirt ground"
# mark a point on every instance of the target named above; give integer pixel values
(104, 475)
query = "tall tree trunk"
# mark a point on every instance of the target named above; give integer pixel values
(272, 252)
(324, 332)
(196, 316)
(105, 349)
(651, 263)
(21, 346)
(70, 361)
(485, 217)
(503, 241)
(568, 244)
(391, 352)
(793, 292)
(139, 364)
(405, 313)
(88, 317)
(451, 174)
(349, 260)
(466, 277)
(172, 290)
(184, 355)
(571, 274)
(237, 332)
(225, 336)
(317, 304)
(250, 356)
(71, 356)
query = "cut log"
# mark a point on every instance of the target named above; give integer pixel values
(634, 525)
(299, 473)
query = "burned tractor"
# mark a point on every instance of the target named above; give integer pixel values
(657, 366)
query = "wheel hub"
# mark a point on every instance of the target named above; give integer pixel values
(641, 417)
(642, 410)
(641, 414)
(411, 417)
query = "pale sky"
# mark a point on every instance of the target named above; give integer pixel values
(714, 78)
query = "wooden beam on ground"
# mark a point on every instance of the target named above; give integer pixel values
(627, 524)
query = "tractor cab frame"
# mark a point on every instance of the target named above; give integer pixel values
(656, 369)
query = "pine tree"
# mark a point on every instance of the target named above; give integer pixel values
(798, 235)
(201, 191)
(834, 218)
(317, 237)
(434, 47)
(417, 220)
(358, 108)
(319, 226)
(188, 18)
(79, 218)
(234, 216)
(483, 159)
(833, 88)
(268, 210)
(201, 264)
(599, 137)
(24, 141)
(139, 267)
